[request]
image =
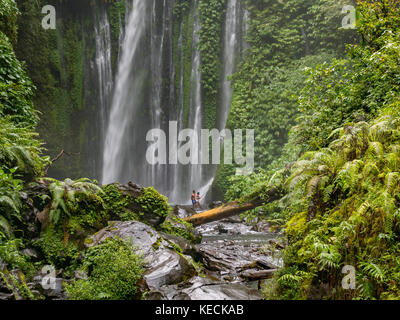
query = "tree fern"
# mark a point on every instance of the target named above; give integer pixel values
(64, 195)
(20, 148)
(5, 227)
(373, 271)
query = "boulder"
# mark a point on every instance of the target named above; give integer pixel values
(184, 211)
(232, 258)
(6, 296)
(254, 274)
(51, 289)
(216, 204)
(164, 263)
(175, 225)
(198, 288)
(135, 191)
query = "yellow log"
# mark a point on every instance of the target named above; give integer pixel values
(233, 208)
(225, 211)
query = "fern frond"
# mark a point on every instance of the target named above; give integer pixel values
(373, 270)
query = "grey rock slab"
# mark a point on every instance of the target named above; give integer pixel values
(164, 266)
(199, 288)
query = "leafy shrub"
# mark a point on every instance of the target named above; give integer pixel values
(20, 149)
(116, 203)
(10, 255)
(178, 227)
(56, 248)
(67, 195)
(152, 202)
(114, 271)
(16, 89)
(10, 201)
(8, 19)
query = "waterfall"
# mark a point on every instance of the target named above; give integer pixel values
(103, 65)
(157, 174)
(196, 107)
(235, 27)
(231, 43)
(192, 176)
(123, 103)
(146, 96)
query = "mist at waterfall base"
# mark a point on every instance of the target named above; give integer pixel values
(144, 95)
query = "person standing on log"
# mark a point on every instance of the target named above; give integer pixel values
(198, 200)
(194, 199)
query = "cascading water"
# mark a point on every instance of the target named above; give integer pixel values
(196, 170)
(103, 65)
(156, 173)
(230, 49)
(235, 27)
(145, 97)
(123, 103)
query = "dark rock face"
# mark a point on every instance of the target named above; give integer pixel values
(164, 266)
(131, 189)
(216, 204)
(199, 288)
(5, 296)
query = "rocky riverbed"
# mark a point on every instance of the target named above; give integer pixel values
(232, 261)
(237, 260)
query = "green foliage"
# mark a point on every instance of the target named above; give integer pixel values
(116, 12)
(73, 51)
(58, 62)
(286, 38)
(114, 271)
(342, 199)
(349, 195)
(376, 19)
(8, 19)
(22, 269)
(211, 20)
(291, 279)
(19, 148)
(16, 89)
(56, 250)
(67, 195)
(184, 12)
(11, 256)
(180, 228)
(152, 202)
(16, 283)
(10, 201)
(347, 90)
(116, 203)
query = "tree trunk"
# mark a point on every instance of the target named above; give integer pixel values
(234, 208)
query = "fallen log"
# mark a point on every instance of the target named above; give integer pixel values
(234, 208)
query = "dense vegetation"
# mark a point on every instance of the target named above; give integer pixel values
(341, 199)
(285, 38)
(326, 116)
(68, 211)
